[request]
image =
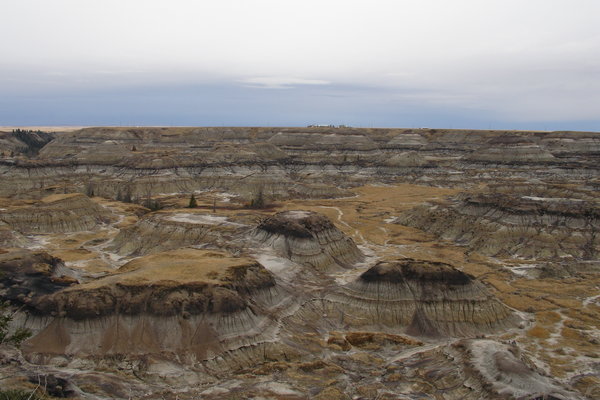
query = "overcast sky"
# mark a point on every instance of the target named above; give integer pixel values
(512, 64)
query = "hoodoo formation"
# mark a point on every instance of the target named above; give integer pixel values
(322, 262)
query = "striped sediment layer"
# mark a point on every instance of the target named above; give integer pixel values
(56, 214)
(308, 238)
(159, 232)
(544, 224)
(419, 298)
(190, 302)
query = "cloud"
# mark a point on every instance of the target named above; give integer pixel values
(531, 60)
(274, 82)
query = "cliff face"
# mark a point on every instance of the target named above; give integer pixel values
(186, 302)
(308, 238)
(23, 142)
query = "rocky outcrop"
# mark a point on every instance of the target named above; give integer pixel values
(169, 283)
(57, 213)
(25, 276)
(308, 238)
(191, 302)
(516, 223)
(159, 232)
(423, 298)
(23, 142)
(10, 238)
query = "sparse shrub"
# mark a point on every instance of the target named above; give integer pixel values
(258, 201)
(89, 189)
(15, 338)
(193, 203)
(153, 205)
(127, 197)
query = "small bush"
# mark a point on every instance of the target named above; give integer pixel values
(15, 338)
(193, 203)
(258, 201)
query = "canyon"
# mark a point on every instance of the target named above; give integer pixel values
(321, 262)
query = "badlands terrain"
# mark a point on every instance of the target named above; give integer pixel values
(316, 263)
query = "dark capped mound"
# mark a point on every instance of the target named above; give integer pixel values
(308, 238)
(415, 270)
(300, 224)
(180, 281)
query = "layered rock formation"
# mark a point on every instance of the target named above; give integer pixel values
(57, 213)
(190, 302)
(25, 276)
(308, 238)
(10, 238)
(23, 142)
(145, 162)
(406, 159)
(294, 310)
(423, 298)
(167, 231)
(513, 222)
(525, 153)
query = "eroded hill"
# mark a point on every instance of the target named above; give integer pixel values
(316, 263)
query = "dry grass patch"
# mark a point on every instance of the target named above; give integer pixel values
(538, 332)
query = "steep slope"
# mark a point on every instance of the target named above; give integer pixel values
(187, 302)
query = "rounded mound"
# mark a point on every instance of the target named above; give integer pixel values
(308, 238)
(415, 270)
(300, 224)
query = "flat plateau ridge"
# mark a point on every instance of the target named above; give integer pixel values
(301, 263)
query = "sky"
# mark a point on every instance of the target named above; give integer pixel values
(481, 64)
